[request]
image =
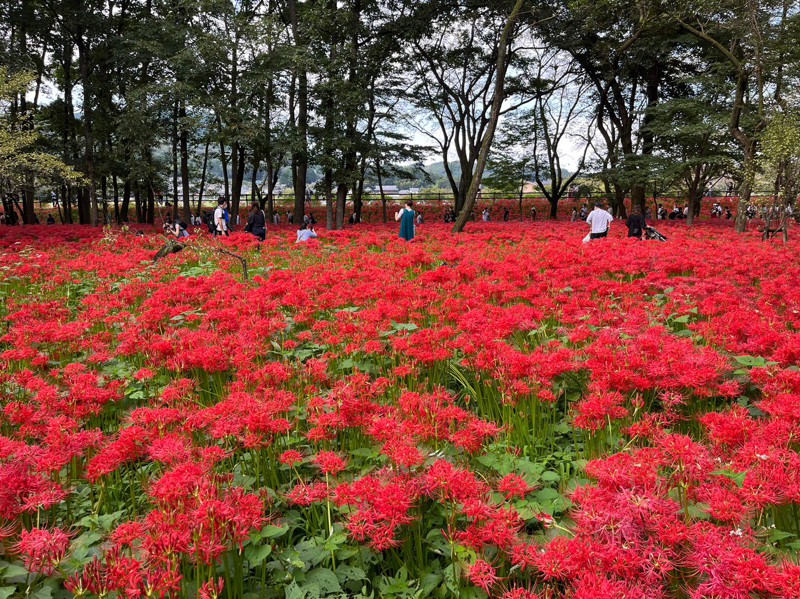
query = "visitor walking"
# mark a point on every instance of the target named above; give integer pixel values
(600, 222)
(506, 215)
(406, 217)
(257, 222)
(220, 222)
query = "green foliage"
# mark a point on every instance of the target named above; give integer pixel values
(19, 158)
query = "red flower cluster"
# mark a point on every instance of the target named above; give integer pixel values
(508, 410)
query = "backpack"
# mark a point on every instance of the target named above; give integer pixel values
(209, 220)
(182, 225)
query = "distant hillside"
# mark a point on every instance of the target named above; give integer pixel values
(429, 176)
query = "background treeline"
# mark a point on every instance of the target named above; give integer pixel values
(142, 97)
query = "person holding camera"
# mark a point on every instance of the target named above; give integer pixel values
(176, 229)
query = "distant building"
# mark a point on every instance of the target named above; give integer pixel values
(391, 191)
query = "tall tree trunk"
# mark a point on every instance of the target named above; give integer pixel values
(126, 190)
(255, 192)
(203, 178)
(85, 70)
(237, 170)
(26, 121)
(223, 158)
(300, 149)
(648, 140)
(341, 199)
(379, 175)
(175, 161)
(184, 142)
(104, 196)
(497, 102)
(328, 199)
(151, 204)
(358, 203)
(66, 67)
(553, 201)
(746, 189)
(267, 199)
(140, 209)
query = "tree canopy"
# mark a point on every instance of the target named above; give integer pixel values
(187, 98)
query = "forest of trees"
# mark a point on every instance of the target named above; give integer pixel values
(124, 99)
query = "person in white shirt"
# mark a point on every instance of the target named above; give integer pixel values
(219, 218)
(600, 222)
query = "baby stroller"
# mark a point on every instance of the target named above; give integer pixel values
(651, 233)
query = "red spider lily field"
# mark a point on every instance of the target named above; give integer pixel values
(505, 413)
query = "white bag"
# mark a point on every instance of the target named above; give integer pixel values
(588, 238)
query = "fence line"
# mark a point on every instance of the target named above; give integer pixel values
(288, 199)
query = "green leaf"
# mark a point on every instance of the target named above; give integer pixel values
(6, 592)
(294, 592)
(256, 554)
(429, 582)
(452, 576)
(12, 570)
(750, 361)
(346, 573)
(273, 532)
(335, 541)
(324, 579)
(776, 535)
(346, 364)
(737, 477)
(312, 554)
(550, 476)
(42, 593)
(698, 511)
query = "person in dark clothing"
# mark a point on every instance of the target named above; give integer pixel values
(506, 215)
(257, 222)
(50, 219)
(636, 223)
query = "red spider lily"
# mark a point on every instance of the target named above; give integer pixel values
(211, 589)
(291, 457)
(329, 463)
(42, 549)
(231, 378)
(482, 575)
(513, 485)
